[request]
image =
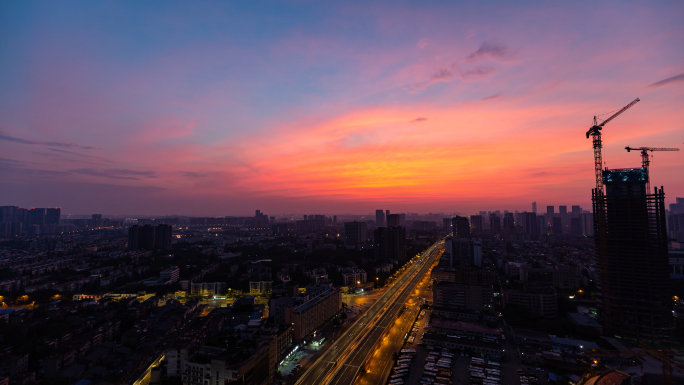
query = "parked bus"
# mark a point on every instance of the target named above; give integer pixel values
(408, 351)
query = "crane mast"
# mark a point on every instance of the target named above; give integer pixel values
(595, 133)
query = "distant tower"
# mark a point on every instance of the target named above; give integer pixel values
(379, 218)
(534, 207)
(461, 227)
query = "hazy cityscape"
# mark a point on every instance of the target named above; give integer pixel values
(224, 193)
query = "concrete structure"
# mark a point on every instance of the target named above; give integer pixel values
(461, 296)
(631, 245)
(308, 317)
(355, 233)
(539, 301)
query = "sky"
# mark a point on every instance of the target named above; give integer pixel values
(221, 108)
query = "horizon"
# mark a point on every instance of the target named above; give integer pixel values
(197, 109)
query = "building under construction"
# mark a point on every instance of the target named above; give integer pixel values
(631, 243)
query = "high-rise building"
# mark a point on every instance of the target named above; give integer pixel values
(355, 233)
(530, 225)
(494, 223)
(390, 243)
(576, 211)
(549, 210)
(36, 216)
(7, 214)
(476, 222)
(96, 220)
(462, 253)
(146, 237)
(379, 218)
(576, 227)
(541, 226)
(393, 220)
(508, 220)
(133, 237)
(587, 223)
(557, 226)
(534, 207)
(461, 227)
(446, 223)
(549, 215)
(163, 236)
(631, 244)
(52, 215)
(563, 213)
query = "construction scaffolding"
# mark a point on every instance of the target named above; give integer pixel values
(631, 241)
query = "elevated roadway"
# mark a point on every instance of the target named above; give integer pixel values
(342, 362)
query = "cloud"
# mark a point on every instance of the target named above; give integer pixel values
(193, 174)
(477, 72)
(490, 51)
(115, 173)
(441, 75)
(490, 97)
(39, 143)
(664, 82)
(17, 167)
(418, 120)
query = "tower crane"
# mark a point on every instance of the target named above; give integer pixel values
(645, 162)
(595, 133)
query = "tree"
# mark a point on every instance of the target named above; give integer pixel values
(343, 316)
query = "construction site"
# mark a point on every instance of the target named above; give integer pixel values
(635, 302)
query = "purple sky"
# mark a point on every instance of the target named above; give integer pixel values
(217, 108)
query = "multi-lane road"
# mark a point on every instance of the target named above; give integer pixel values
(341, 363)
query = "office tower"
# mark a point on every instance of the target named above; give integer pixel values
(549, 215)
(508, 220)
(461, 227)
(534, 207)
(631, 244)
(562, 210)
(557, 226)
(576, 227)
(52, 216)
(402, 220)
(163, 236)
(334, 219)
(355, 233)
(96, 220)
(390, 243)
(393, 220)
(476, 222)
(36, 217)
(576, 211)
(494, 223)
(379, 218)
(530, 225)
(133, 237)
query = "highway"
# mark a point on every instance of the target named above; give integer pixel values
(341, 363)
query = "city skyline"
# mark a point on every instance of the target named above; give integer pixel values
(346, 108)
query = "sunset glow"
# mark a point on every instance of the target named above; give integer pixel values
(228, 108)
